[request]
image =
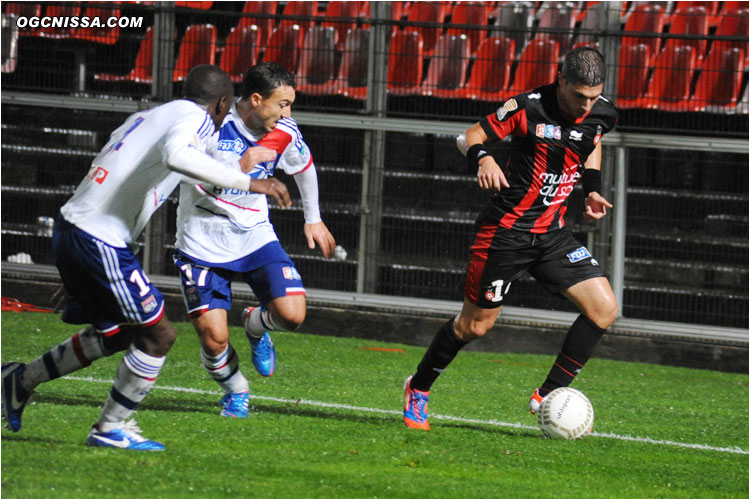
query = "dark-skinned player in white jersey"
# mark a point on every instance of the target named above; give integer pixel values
(556, 134)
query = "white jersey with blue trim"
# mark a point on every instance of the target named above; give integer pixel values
(131, 177)
(222, 225)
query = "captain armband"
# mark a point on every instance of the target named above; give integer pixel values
(476, 153)
(591, 181)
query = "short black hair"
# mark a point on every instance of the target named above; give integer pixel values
(264, 78)
(584, 66)
(206, 84)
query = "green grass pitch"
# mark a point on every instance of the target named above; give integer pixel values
(328, 425)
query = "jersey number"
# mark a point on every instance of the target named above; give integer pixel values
(187, 269)
(496, 295)
(141, 280)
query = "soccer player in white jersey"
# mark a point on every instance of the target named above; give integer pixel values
(144, 160)
(223, 233)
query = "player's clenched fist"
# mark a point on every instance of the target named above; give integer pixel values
(255, 155)
(272, 187)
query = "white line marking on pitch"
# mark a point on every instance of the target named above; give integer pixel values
(495, 423)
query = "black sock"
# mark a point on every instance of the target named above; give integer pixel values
(577, 348)
(443, 348)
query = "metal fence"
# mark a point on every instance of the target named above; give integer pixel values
(394, 191)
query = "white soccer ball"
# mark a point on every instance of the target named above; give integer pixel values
(565, 413)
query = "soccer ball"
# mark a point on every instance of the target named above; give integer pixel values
(565, 413)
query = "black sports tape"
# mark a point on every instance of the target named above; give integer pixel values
(591, 181)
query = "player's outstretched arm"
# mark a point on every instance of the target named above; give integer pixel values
(596, 204)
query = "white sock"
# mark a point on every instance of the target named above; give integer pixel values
(72, 354)
(225, 370)
(135, 377)
(260, 321)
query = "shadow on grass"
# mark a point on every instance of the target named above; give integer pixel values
(22, 438)
(209, 407)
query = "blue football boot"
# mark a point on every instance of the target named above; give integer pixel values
(263, 350)
(15, 397)
(126, 437)
(235, 405)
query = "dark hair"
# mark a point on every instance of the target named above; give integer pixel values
(264, 78)
(206, 84)
(584, 66)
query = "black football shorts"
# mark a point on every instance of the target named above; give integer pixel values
(500, 256)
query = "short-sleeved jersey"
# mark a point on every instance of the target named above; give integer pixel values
(547, 154)
(129, 179)
(220, 225)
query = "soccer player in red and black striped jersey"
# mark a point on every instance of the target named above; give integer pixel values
(556, 135)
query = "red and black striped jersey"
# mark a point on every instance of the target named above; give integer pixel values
(546, 160)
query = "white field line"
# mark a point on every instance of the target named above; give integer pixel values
(449, 418)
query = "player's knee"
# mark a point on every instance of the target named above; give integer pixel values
(212, 341)
(115, 343)
(159, 338)
(291, 320)
(470, 330)
(606, 314)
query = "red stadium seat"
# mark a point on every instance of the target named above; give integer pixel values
(428, 12)
(559, 18)
(647, 17)
(718, 85)
(198, 47)
(473, 14)
(669, 88)
(352, 77)
(711, 8)
(283, 47)
(194, 5)
(240, 51)
(342, 16)
(104, 34)
(734, 23)
(405, 63)
(490, 76)
(250, 13)
(689, 21)
(304, 10)
(317, 64)
(538, 66)
(141, 72)
(24, 9)
(632, 75)
(446, 74)
(59, 12)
